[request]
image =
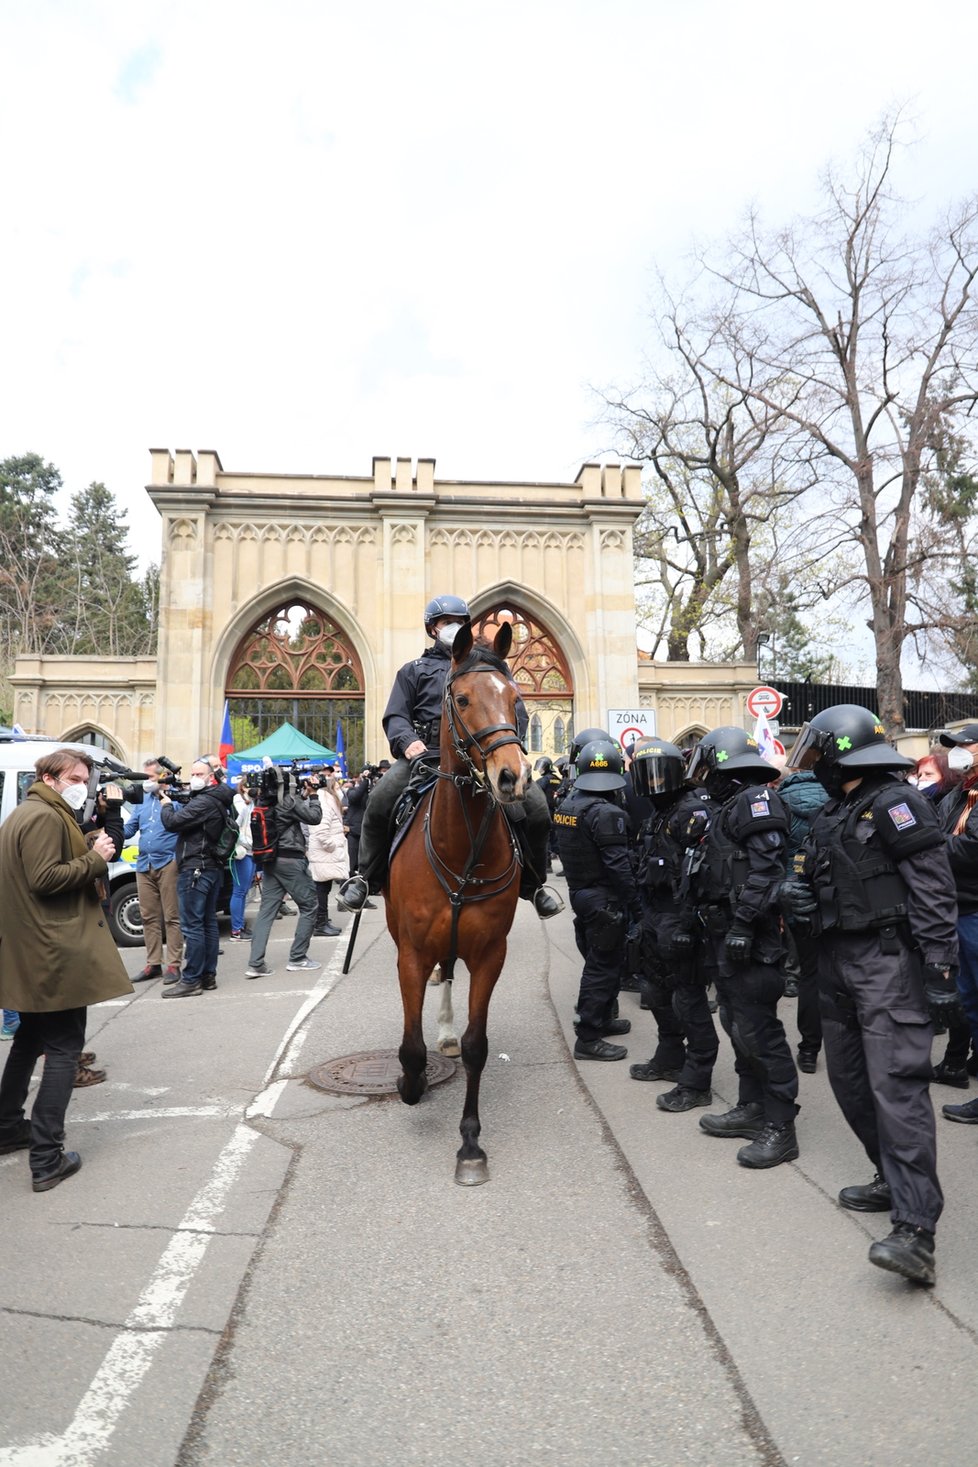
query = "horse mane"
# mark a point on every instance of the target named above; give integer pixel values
(482, 653)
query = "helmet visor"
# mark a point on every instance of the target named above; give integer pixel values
(809, 747)
(700, 764)
(657, 774)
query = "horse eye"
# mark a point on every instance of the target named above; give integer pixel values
(463, 701)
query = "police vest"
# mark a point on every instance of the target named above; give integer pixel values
(726, 865)
(857, 882)
(661, 848)
(579, 854)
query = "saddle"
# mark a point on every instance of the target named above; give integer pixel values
(424, 774)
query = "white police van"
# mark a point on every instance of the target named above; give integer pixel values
(17, 756)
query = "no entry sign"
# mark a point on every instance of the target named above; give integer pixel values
(764, 700)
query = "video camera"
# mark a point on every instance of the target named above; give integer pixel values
(283, 778)
(112, 782)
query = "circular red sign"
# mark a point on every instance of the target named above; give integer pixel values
(764, 700)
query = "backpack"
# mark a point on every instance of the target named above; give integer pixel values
(224, 843)
(264, 833)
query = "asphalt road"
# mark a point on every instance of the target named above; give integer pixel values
(248, 1269)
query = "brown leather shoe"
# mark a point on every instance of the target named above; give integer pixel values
(85, 1077)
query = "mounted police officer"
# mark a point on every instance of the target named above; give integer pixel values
(593, 840)
(736, 890)
(879, 890)
(412, 723)
(678, 961)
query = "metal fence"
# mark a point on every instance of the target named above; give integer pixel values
(922, 712)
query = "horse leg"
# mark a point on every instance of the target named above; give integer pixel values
(413, 1081)
(447, 1038)
(471, 1166)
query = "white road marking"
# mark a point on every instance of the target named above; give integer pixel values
(131, 1353)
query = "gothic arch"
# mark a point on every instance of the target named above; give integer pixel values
(92, 733)
(543, 611)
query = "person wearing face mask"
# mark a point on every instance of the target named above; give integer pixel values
(958, 816)
(156, 880)
(877, 887)
(57, 957)
(412, 723)
(198, 824)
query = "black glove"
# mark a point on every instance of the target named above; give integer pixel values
(696, 829)
(738, 943)
(634, 943)
(677, 946)
(940, 989)
(798, 901)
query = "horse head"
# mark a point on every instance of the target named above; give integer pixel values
(480, 714)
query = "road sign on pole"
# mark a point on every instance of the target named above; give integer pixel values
(628, 724)
(764, 700)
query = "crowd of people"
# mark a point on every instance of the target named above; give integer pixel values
(711, 879)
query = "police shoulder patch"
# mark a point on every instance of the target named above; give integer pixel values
(902, 816)
(760, 804)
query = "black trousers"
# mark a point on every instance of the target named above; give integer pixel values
(375, 834)
(878, 1037)
(747, 998)
(601, 974)
(59, 1036)
(809, 1011)
(690, 1006)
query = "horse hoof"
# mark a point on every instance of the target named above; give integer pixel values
(471, 1172)
(449, 1047)
(434, 978)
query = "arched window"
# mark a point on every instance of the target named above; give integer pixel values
(296, 665)
(94, 736)
(540, 671)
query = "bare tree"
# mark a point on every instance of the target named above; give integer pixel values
(717, 532)
(866, 342)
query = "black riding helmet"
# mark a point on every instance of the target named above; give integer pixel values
(657, 767)
(600, 767)
(444, 606)
(729, 751)
(847, 737)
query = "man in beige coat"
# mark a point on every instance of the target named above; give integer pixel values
(57, 956)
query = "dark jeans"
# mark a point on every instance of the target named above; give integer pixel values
(199, 896)
(323, 889)
(59, 1037)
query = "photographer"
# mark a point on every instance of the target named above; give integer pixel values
(156, 879)
(286, 873)
(198, 823)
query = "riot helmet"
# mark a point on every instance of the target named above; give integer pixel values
(587, 736)
(728, 757)
(657, 768)
(440, 606)
(600, 766)
(844, 743)
(544, 766)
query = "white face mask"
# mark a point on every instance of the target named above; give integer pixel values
(197, 781)
(75, 795)
(960, 760)
(447, 634)
(151, 786)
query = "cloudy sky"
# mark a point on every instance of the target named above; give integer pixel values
(308, 233)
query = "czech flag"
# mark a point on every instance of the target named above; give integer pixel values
(226, 746)
(340, 748)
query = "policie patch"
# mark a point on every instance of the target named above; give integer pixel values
(902, 816)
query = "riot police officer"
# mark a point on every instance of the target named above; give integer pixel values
(736, 889)
(676, 961)
(412, 723)
(884, 913)
(592, 837)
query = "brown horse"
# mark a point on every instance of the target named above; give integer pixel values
(454, 880)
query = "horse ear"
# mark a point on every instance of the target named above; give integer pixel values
(462, 645)
(503, 640)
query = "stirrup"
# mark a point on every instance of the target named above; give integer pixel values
(354, 892)
(547, 902)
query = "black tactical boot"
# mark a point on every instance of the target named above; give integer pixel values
(873, 1197)
(598, 1049)
(546, 902)
(908, 1251)
(743, 1120)
(807, 1060)
(616, 1026)
(774, 1145)
(945, 1074)
(653, 1070)
(683, 1098)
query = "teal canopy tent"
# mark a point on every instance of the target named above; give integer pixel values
(285, 746)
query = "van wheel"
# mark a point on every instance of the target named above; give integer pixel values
(125, 918)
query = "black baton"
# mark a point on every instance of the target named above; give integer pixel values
(353, 940)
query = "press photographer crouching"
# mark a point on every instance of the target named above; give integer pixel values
(285, 869)
(199, 823)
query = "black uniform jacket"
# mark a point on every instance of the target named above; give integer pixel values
(414, 706)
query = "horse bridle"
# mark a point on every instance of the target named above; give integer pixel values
(459, 728)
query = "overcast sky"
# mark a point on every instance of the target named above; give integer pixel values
(307, 233)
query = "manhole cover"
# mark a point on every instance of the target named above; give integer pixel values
(374, 1072)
